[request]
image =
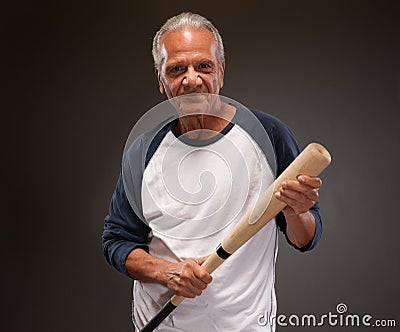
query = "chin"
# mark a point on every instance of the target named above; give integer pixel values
(193, 103)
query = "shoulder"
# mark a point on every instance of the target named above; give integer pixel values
(143, 146)
(275, 128)
(281, 137)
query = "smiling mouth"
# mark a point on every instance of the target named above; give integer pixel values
(192, 92)
(193, 97)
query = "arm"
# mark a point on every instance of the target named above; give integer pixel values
(123, 230)
(300, 221)
(125, 246)
(186, 278)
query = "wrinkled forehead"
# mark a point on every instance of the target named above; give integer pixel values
(186, 40)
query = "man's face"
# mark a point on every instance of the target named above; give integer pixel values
(190, 64)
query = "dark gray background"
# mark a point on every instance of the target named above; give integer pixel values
(77, 75)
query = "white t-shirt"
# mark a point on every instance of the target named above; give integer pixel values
(192, 196)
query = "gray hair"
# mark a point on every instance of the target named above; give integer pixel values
(180, 21)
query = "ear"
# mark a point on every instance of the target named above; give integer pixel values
(221, 74)
(160, 83)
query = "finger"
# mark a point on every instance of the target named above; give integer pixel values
(311, 181)
(188, 285)
(187, 291)
(182, 287)
(294, 205)
(293, 185)
(297, 185)
(197, 275)
(202, 274)
(307, 198)
(198, 284)
(289, 201)
(201, 260)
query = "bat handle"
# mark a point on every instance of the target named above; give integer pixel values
(210, 264)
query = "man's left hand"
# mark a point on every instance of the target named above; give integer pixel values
(300, 194)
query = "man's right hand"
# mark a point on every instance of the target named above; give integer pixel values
(186, 278)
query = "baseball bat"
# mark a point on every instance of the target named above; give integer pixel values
(311, 161)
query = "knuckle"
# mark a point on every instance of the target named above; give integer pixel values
(197, 292)
(187, 263)
(189, 295)
(178, 285)
(208, 279)
(203, 273)
(177, 291)
(203, 286)
(185, 274)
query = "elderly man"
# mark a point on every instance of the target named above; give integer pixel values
(148, 241)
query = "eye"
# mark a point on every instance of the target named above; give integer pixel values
(177, 69)
(205, 67)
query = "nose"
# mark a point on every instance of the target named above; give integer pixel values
(191, 78)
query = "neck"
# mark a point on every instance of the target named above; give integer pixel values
(205, 126)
